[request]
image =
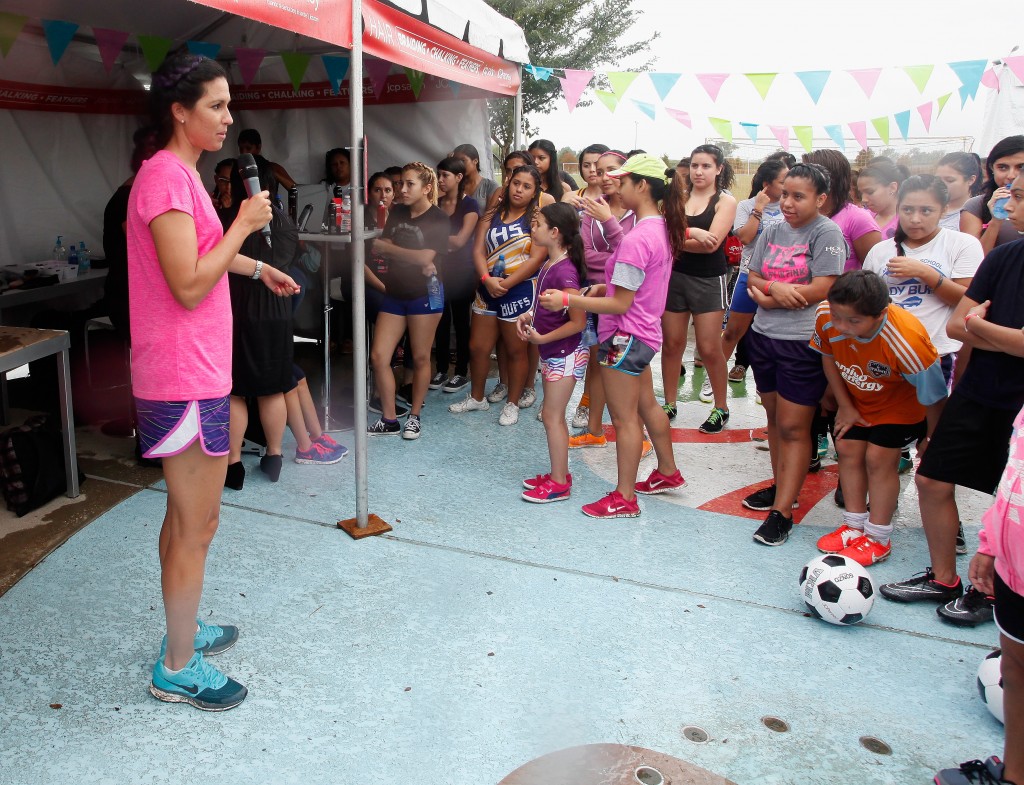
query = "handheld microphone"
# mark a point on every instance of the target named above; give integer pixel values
(250, 174)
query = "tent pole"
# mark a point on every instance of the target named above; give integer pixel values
(517, 135)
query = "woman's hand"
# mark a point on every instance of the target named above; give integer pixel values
(981, 573)
(905, 267)
(846, 418)
(999, 193)
(495, 287)
(552, 300)
(254, 213)
(524, 326)
(278, 282)
(705, 238)
(981, 309)
(429, 270)
(762, 200)
(597, 209)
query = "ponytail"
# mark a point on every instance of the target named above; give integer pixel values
(563, 217)
(674, 209)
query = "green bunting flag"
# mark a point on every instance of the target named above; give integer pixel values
(295, 63)
(723, 127)
(10, 28)
(881, 125)
(621, 80)
(762, 82)
(610, 100)
(804, 135)
(942, 103)
(919, 75)
(415, 80)
(154, 49)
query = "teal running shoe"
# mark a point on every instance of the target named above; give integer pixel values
(198, 684)
(211, 639)
(822, 447)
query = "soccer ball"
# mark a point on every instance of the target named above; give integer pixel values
(990, 683)
(836, 589)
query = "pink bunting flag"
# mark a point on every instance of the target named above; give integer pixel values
(110, 43)
(990, 79)
(1016, 64)
(680, 116)
(782, 134)
(925, 110)
(712, 83)
(249, 61)
(860, 133)
(867, 78)
(377, 70)
(573, 84)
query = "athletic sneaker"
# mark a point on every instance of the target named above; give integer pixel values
(509, 414)
(548, 491)
(838, 497)
(532, 482)
(587, 439)
(646, 448)
(822, 446)
(815, 465)
(657, 482)
(456, 383)
(614, 505)
(411, 430)
(325, 440)
(404, 394)
(469, 404)
(715, 422)
(581, 419)
(319, 453)
(438, 380)
(775, 529)
(763, 499)
(961, 540)
(210, 640)
(374, 406)
(671, 410)
(922, 587)
(707, 395)
(198, 684)
(906, 464)
(833, 542)
(972, 609)
(974, 772)
(738, 373)
(499, 393)
(528, 398)
(381, 428)
(867, 551)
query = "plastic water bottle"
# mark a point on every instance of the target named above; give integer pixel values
(498, 271)
(434, 293)
(73, 256)
(60, 253)
(382, 214)
(84, 259)
(346, 213)
(589, 337)
(999, 209)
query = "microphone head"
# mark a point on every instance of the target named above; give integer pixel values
(247, 166)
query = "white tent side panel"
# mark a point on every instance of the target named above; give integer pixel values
(1004, 113)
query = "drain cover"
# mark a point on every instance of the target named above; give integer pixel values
(648, 775)
(775, 724)
(695, 734)
(875, 745)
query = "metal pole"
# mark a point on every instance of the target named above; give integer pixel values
(355, 99)
(517, 133)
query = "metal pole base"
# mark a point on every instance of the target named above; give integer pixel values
(374, 525)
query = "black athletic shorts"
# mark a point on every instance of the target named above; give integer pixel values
(892, 435)
(1009, 609)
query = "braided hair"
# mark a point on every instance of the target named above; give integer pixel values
(427, 177)
(180, 79)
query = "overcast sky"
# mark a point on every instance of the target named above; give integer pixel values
(794, 35)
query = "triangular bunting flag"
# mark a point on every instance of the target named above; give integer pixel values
(762, 83)
(859, 130)
(621, 80)
(455, 86)
(805, 135)
(608, 98)
(336, 67)
(925, 110)
(1016, 64)
(205, 49)
(573, 84)
(723, 127)
(751, 129)
(903, 123)
(680, 116)
(990, 79)
(969, 73)
(295, 63)
(663, 82)
(538, 72)
(835, 133)
(919, 75)
(782, 134)
(881, 125)
(110, 43)
(416, 79)
(10, 28)
(377, 70)
(249, 61)
(814, 81)
(154, 49)
(646, 108)
(712, 83)
(58, 36)
(867, 78)
(941, 101)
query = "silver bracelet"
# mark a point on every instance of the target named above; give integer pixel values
(259, 270)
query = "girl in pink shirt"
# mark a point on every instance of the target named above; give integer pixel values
(859, 229)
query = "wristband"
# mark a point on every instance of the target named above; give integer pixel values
(259, 270)
(756, 214)
(941, 280)
(967, 320)
(565, 299)
(686, 235)
(484, 277)
(768, 289)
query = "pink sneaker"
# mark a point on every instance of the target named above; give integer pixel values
(833, 542)
(532, 482)
(614, 505)
(548, 491)
(327, 441)
(659, 483)
(866, 551)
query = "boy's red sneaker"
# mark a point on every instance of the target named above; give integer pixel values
(614, 505)
(833, 542)
(659, 483)
(866, 551)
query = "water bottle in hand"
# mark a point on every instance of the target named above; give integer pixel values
(498, 271)
(434, 293)
(999, 209)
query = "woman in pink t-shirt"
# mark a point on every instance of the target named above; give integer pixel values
(181, 356)
(859, 229)
(879, 184)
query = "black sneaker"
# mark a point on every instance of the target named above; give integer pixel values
(972, 609)
(412, 428)
(374, 406)
(961, 540)
(670, 409)
(922, 587)
(437, 381)
(764, 499)
(815, 465)
(381, 428)
(715, 422)
(775, 529)
(988, 772)
(404, 394)
(456, 383)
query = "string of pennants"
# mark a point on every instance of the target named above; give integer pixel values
(971, 74)
(111, 43)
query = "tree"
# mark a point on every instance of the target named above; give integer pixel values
(580, 34)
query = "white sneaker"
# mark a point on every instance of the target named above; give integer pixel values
(582, 417)
(540, 414)
(469, 404)
(707, 395)
(509, 414)
(499, 393)
(528, 398)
